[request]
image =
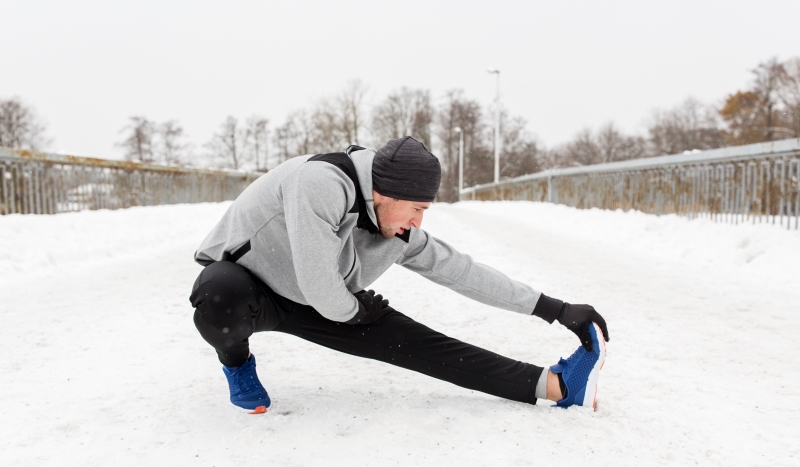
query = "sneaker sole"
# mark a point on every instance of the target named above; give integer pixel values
(257, 411)
(591, 385)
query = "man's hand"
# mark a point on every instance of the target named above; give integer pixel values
(578, 318)
(371, 307)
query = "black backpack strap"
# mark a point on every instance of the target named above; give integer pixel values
(236, 255)
(343, 162)
(353, 148)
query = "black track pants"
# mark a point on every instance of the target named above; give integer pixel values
(231, 304)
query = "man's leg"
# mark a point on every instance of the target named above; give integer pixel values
(230, 304)
(401, 341)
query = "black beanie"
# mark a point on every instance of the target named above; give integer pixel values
(405, 169)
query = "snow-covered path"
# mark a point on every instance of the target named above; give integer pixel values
(102, 363)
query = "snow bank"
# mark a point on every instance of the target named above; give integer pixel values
(762, 249)
(37, 244)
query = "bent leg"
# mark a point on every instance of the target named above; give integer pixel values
(401, 341)
(230, 304)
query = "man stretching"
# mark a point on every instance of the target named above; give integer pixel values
(295, 250)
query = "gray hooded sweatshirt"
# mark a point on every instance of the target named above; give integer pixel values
(299, 223)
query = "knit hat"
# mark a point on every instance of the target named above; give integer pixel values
(405, 169)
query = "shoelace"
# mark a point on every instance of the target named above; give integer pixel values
(245, 380)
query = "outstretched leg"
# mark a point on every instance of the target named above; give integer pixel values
(401, 341)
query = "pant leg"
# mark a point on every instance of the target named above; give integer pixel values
(230, 304)
(401, 341)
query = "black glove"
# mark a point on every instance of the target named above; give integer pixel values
(578, 318)
(371, 307)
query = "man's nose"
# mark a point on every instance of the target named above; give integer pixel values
(416, 222)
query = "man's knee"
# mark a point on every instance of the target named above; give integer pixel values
(221, 284)
(225, 296)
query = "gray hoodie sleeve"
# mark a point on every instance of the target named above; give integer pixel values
(316, 199)
(441, 263)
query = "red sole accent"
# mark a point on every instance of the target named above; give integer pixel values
(258, 410)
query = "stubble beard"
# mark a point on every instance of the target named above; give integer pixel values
(386, 230)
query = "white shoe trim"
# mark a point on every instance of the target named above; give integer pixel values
(590, 393)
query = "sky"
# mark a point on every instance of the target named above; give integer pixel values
(86, 67)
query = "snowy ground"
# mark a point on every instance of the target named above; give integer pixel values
(102, 365)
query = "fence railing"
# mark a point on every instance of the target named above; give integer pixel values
(39, 183)
(752, 183)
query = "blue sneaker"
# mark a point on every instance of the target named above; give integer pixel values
(580, 372)
(246, 390)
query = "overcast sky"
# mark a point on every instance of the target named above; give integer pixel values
(87, 66)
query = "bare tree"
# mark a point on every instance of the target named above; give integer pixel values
(256, 144)
(169, 146)
(615, 146)
(789, 92)
(768, 77)
(339, 120)
(304, 133)
(226, 146)
(350, 118)
(138, 145)
(330, 124)
(457, 111)
(689, 125)
(404, 112)
(20, 127)
(282, 139)
(311, 131)
(552, 158)
(320, 129)
(521, 152)
(608, 145)
(582, 150)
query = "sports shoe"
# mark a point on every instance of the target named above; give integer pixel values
(580, 371)
(246, 390)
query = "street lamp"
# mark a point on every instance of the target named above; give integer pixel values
(460, 160)
(496, 72)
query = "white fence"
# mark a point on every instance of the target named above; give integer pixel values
(753, 183)
(39, 183)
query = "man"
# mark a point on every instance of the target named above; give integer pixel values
(295, 250)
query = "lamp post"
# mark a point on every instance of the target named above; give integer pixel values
(460, 160)
(496, 72)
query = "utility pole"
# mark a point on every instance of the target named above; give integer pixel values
(460, 160)
(496, 72)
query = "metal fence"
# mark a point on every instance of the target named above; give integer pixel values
(38, 183)
(753, 183)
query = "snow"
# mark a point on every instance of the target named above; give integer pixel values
(102, 364)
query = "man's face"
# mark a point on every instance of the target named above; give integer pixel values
(395, 216)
